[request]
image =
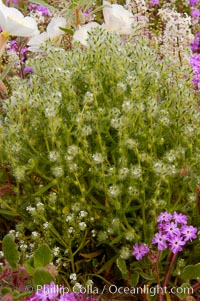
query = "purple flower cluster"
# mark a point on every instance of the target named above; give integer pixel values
(53, 292)
(195, 64)
(12, 2)
(195, 13)
(15, 47)
(40, 8)
(154, 2)
(174, 233)
(193, 2)
(195, 45)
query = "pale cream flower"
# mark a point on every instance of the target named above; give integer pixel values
(117, 19)
(13, 22)
(81, 34)
(53, 32)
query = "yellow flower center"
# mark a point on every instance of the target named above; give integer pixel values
(5, 34)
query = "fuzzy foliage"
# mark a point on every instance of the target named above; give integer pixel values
(110, 128)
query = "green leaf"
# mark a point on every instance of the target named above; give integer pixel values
(148, 277)
(42, 2)
(121, 264)
(191, 272)
(29, 265)
(135, 279)
(7, 70)
(73, 5)
(8, 212)
(107, 264)
(6, 290)
(116, 239)
(44, 188)
(42, 256)
(10, 251)
(184, 291)
(67, 30)
(42, 277)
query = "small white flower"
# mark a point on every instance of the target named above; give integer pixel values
(35, 234)
(45, 225)
(130, 235)
(136, 171)
(30, 209)
(83, 213)
(125, 253)
(13, 22)
(73, 276)
(98, 158)
(114, 190)
(53, 156)
(56, 251)
(23, 247)
(82, 226)
(71, 230)
(73, 150)
(40, 205)
(31, 245)
(94, 233)
(69, 217)
(123, 173)
(58, 260)
(57, 171)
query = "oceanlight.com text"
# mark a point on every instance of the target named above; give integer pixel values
(152, 291)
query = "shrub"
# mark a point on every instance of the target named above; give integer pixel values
(99, 141)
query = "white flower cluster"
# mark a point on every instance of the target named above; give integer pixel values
(139, 9)
(177, 36)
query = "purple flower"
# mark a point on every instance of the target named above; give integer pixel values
(27, 70)
(195, 13)
(154, 2)
(39, 8)
(189, 232)
(164, 217)
(12, 45)
(193, 2)
(32, 6)
(12, 2)
(180, 218)
(195, 61)
(47, 293)
(195, 45)
(140, 251)
(87, 12)
(24, 51)
(43, 10)
(171, 229)
(176, 244)
(160, 239)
